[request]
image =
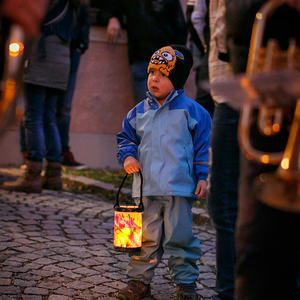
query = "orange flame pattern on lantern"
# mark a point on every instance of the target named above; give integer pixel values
(128, 229)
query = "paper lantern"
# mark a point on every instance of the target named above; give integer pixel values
(128, 223)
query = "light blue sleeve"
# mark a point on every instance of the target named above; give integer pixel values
(127, 139)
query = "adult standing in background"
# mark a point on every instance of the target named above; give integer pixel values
(45, 77)
(79, 44)
(200, 36)
(268, 242)
(223, 192)
(150, 25)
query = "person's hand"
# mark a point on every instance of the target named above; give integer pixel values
(27, 13)
(131, 165)
(201, 189)
(295, 4)
(113, 30)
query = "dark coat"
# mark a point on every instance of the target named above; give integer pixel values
(150, 25)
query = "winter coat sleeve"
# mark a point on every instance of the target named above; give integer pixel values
(201, 140)
(80, 39)
(127, 139)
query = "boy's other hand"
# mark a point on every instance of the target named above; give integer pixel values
(131, 165)
(201, 189)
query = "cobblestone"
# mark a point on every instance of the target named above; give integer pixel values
(59, 246)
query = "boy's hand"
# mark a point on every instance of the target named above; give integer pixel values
(201, 189)
(131, 165)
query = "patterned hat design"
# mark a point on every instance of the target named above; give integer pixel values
(174, 61)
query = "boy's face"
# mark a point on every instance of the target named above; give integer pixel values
(159, 84)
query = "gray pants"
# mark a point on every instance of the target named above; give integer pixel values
(167, 228)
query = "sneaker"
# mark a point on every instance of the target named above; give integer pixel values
(187, 292)
(135, 290)
(68, 160)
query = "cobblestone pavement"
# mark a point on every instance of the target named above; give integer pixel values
(59, 246)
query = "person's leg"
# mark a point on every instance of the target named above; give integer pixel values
(179, 241)
(139, 75)
(22, 137)
(182, 245)
(223, 195)
(64, 103)
(30, 181)
(268, 245)
(34, 123)
(52, 138)
(52, 177)
(141, 266)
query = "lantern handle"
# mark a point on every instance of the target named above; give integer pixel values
(141, 205)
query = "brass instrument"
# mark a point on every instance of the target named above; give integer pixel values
(280, 189)
(11, 75)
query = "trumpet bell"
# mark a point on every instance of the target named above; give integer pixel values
(279, 189)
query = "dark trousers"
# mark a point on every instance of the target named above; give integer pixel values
(64, 103)
(223, 195)
(268, 244)
(41, 135)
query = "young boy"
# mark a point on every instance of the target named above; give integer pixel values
(166, 136)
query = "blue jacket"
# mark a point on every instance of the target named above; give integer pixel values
(170, 141)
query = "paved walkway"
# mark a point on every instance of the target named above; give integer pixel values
(59, 246)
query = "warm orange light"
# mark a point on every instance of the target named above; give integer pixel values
(127, 228)
(15, 49)
(265, 159)
(276, 127)
(248, 87)
(285, 163)
(259, 16)
(9, 91)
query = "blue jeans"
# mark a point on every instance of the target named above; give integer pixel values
(223, 195)
(139, 76)
(41, 134)
(64, 104)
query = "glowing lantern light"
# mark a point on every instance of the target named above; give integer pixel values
(15, 49)
(128, 223)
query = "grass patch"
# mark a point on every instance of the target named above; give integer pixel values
(80, 188)
(114, 177)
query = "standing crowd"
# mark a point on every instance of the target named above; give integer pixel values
(185, 149)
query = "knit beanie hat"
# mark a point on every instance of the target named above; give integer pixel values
(175, 62)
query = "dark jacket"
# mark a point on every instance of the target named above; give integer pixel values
(284, 23)
(80, 38)
(63, 11)
(150, 25)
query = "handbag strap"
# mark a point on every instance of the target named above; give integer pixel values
(58, 17)
(141, 205)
